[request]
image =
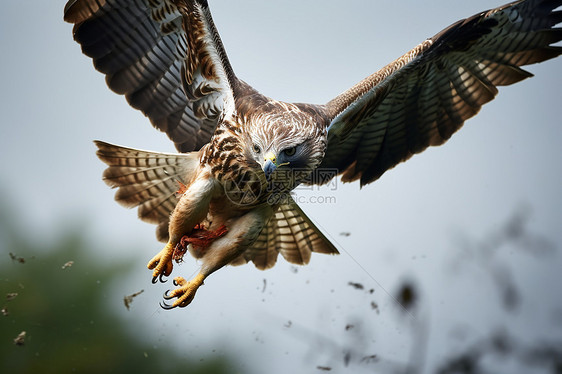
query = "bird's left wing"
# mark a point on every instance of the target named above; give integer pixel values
(148, 50)
(425, 96)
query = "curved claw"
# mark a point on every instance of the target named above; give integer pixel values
(176, 283)
(165, 306)
(167, 295)
(161, 278)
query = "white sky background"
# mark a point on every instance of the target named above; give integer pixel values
(408, 225)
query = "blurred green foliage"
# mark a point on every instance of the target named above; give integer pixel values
(62, 309)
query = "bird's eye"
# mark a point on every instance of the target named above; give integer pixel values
(256, 148)
(290, 151)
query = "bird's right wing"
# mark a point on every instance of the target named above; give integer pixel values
(148, 50)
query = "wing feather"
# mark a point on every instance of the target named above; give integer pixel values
(425, 96)
(165, 56)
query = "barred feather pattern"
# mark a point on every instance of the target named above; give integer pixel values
(425, 96)
(166, 57)
(289, 233)
(147, 180)
(182, 81)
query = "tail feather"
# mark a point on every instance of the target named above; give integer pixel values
(292, 234)
(148, 180)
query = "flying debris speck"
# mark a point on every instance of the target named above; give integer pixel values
(357, 286)
(21, 260)
(129, 299)
(20, 339)
(407, 295)
(346, 358)
(369, 359)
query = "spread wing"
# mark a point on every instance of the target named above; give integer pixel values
(425, 96)
(165, 56)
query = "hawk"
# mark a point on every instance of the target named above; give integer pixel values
(225, 197)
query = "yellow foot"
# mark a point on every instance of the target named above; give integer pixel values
(162, 263)
(185, 293)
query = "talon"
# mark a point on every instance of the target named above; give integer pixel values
(162, 264)
(167, 295)
(165, 306)
(179, 281)
(168, 269)
(159, 278)
(184, 294)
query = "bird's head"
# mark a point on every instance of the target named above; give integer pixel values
(286, 147)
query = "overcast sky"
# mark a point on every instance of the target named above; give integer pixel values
(409, 224)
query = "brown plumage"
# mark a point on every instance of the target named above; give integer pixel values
(243, 152)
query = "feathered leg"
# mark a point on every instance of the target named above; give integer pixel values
(242, 232)
(191, 209)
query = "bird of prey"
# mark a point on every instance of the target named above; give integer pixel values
(225, 197)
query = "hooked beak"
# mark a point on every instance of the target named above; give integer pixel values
(269, 165)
